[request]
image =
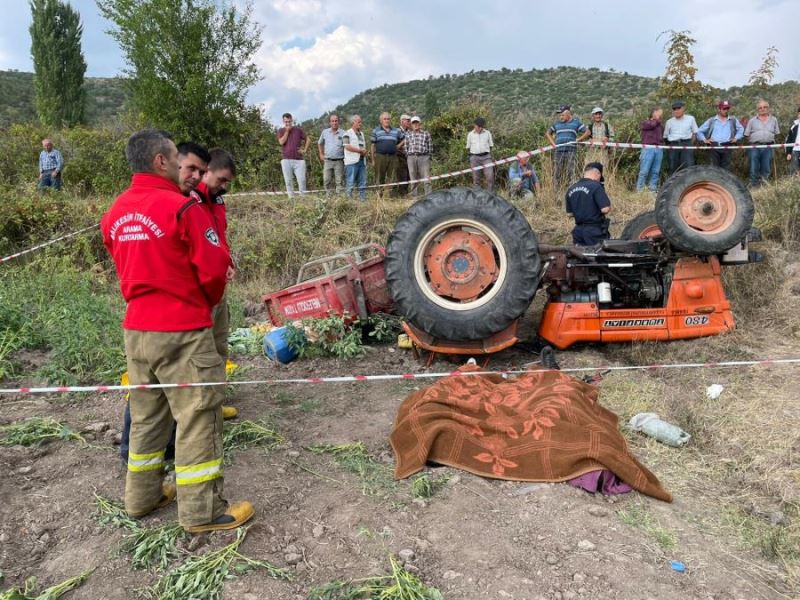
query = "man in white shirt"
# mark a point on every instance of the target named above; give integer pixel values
(680, 130)
(355, 158)
(479, 145)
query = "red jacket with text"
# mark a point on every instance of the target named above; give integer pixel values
(216, 207)
(170, 259)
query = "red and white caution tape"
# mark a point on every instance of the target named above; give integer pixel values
(701, 146)
(394, 377)
(448, 175)
(50, 243)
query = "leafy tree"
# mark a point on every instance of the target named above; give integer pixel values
(679, 80)
(764, 75)
(431, 105)
(190, 63)
(58, 63)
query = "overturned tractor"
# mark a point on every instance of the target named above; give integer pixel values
(463, 266)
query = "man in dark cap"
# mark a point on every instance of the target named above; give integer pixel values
(479, 145)
(588, 203)
(720, 131)
(680, 130)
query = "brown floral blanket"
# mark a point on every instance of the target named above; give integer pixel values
(544, 426)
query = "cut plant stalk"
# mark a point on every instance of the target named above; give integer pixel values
(37, 431)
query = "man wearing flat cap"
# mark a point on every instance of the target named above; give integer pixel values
(588, 203)
(479, 145)
(402, 156)
(720, 132)
(680, 131)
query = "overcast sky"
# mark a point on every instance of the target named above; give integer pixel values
(319, 53)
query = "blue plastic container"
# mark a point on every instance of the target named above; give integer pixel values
(276, 348)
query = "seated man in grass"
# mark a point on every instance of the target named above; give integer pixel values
(522, 178)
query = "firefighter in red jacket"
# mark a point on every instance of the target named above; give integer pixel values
(220, 174)
(172, 268)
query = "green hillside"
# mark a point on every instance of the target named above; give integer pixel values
(509, 92)
(105, 97)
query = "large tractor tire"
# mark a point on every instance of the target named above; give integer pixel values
(641, 227)
(704, 210)
(462, 264)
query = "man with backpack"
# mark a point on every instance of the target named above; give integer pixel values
(721, 131)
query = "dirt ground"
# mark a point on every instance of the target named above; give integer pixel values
(476, 538)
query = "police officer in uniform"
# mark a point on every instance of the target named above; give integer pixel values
(588, 203)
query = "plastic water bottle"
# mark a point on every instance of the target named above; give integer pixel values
(666, 433)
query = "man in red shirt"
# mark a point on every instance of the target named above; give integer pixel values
(172, 268)
(220, 174)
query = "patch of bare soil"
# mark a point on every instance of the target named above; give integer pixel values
(476, 538)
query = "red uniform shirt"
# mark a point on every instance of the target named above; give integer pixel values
(170, 259)
(216, 207)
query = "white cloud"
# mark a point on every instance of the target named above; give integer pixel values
(337, 66)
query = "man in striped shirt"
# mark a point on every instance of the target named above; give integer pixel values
(51, 164)
(567, 129)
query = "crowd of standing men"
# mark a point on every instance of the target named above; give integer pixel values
(403, 153)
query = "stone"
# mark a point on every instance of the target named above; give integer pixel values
(598, 511)
(454, 480)
(110, 436)
(318, 531)
(449, 574)
(98, 427)
(579, 578)
(406, 555)
(293, 454)
(586, 546)
(45, 538)
(24, 470)
(776, 518)
(551, 559)
(292, 558)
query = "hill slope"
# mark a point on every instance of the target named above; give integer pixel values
(509, 92)
(105, 97)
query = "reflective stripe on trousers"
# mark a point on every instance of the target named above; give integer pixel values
(193, 474)
(139, 463)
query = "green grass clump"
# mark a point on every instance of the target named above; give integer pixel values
(398, 585)
(241, 435)
(54, 308)
(426, 486)
(37, 431)
(203, 576)
(51, 593)
(376, 478)
(639, 517)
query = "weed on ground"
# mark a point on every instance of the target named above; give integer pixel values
(37, 431)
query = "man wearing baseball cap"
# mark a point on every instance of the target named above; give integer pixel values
(479, 145)
(600, 133)
(680, 131)
(419, 148)
(587, 202)
(721, 131)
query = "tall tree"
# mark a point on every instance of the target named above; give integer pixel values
(764, 75)
(58, 63)
(190, 63)
(680, 77)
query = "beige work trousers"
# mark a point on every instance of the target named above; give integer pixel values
(221, 315)
(176, 357)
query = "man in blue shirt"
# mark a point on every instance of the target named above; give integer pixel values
(51, 164)
(588, 203)
(567, 129)
(720, 131)
(522, 178)
(386, 140)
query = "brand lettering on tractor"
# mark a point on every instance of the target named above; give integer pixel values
(696, 320)
(633, 323)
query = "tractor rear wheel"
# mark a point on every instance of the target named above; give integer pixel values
(462, 264)
(704, 210)
(641, 227)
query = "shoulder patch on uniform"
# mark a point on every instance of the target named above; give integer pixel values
(189, 203)
(212, 236)
(219, 200)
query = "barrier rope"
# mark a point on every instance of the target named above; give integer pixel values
(50, 243)
(393, 377)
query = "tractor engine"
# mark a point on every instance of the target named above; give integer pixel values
(638, 278)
